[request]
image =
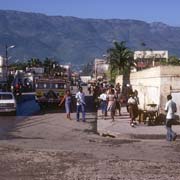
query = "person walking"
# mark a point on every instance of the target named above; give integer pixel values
(118, 100)
(171, 109)
(80, 97)
(132, 109)
(68, 103)
(111, 102)
(103, 103)
(128, 93)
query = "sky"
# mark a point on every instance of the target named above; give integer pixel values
(166, 11)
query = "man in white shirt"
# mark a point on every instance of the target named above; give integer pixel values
(103, 98)
(170, 108)
(80, 97)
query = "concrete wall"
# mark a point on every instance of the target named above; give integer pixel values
(170, 84)
(119, 79)
(154, 84)
(147, 83)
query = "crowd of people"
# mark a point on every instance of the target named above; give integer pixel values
(107, 97)
(110, 99)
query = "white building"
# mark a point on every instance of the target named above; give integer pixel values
(154, 84)
(3, 69)
(100, 67)
(36, 70)
(85, 79)
(149, 59)
(151, 54)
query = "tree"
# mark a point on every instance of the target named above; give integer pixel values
(172, 60)
(121, 60)
(49, 65)
(34, 62)
(18, 66)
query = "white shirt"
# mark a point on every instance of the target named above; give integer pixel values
(103, 97)
(132, 101)
(80, 98)
(171, 109)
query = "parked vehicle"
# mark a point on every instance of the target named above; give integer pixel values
(7, 102)
(49, 91)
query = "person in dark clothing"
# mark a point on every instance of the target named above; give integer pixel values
(171, 109)
(133, 109)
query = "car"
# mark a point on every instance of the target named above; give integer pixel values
(7, 103)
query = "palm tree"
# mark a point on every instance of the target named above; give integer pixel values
(121, 59)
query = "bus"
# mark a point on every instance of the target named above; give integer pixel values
(50, 91)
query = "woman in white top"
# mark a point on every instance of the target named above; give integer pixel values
(111, 102)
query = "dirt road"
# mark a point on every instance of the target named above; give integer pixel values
(47, 146)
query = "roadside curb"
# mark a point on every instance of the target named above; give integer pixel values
(121, 129)
(133, 136)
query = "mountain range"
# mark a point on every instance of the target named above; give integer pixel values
(78, 41)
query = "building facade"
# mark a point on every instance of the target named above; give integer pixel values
(3, 69)
(152, 58)
(154, 84)
(100, 67)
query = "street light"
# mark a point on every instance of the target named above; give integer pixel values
(7, 48)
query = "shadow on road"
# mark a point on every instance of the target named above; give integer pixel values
(11, 137)
(13, 124)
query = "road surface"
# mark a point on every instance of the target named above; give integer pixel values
(48, 146)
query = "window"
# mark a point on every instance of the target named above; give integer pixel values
(6, 96)
(43, 85)
(57, 85)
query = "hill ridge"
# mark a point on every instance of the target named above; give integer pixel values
(79, 40)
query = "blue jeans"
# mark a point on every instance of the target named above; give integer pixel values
(170, 133)
(104, 107)
(80, 108)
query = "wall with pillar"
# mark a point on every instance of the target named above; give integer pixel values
(154, 84)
